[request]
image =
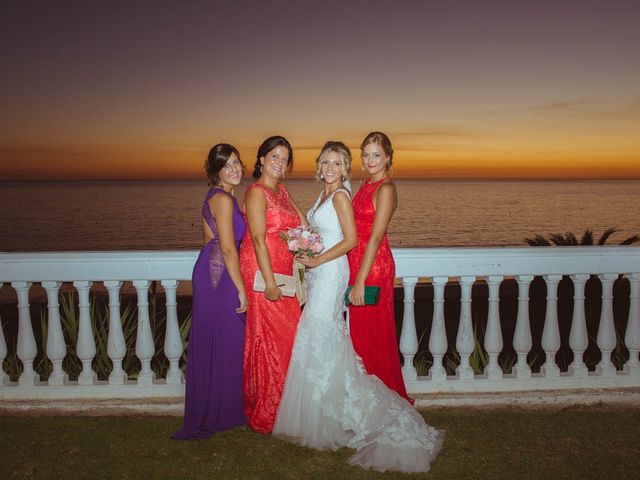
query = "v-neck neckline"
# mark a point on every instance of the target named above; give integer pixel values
(322, 202)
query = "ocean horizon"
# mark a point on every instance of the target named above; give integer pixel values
(68, 215)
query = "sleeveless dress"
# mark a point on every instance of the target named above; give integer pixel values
(329, 400)
(271, 326)
(372, 327)
(213, 397)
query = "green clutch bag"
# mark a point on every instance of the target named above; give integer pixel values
(371, 295)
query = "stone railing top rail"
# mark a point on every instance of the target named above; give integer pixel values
(410, 262)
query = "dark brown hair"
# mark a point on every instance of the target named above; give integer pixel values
(218, 156)
(268, 145)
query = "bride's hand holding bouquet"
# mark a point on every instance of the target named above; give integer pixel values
(305, 244)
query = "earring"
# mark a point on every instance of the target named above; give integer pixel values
(321, 177)
(260, 168)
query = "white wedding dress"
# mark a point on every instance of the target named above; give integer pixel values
(329, 401)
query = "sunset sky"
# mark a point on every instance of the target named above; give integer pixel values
(473, 89)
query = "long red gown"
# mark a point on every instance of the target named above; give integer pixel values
(271, 326)
(372, 327)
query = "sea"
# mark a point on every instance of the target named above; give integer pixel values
(165, 215)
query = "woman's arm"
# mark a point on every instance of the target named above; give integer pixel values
(222, 208)
(342, 204)
(256, 207)
(384, 202)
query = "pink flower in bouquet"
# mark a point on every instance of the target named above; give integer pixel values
(302, 241)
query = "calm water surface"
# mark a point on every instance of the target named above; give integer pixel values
(52, 216)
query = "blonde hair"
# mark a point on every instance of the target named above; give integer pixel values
(382, 140)
(343, 153)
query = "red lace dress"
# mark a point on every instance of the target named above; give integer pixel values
(372, 327)
(271, 326)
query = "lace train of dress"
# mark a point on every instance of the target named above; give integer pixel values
(329, 400)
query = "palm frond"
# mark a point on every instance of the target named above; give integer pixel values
(557, 239)
(587, 237)
(631, 240)
(605, 236)
(570, 239)
(538, 241)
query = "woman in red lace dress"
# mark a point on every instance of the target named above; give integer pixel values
(372, 327)
(271, 318)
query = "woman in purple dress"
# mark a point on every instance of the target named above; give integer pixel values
(213, 400)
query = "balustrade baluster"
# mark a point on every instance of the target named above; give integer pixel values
(56, 346)
(438, 334)
(551, 331)
(145, 347)
(173, 347)
(606, 330)
(465, 340)
(86, 348)
(522, 336)
(493, 336)
(26, 348)
(116, 345)
(4, 378)
(578, 337)
(408, 335)
(632, 335)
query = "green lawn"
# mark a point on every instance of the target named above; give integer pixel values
(575, 443)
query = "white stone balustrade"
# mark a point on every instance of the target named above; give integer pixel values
(493, 335)
(172, 342)
(438, 336)
(465, 337)
(56, 347)
(551, 332)
(439, 267)
(408, 336)
(578, 337)
(145, 347)
(86, 347)
(26, 348)
(116, 346)
(522, 337)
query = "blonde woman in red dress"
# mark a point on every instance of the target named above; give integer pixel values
(372, 327)
(271, 318)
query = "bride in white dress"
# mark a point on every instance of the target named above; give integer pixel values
(329, 401)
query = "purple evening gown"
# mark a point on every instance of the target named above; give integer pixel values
(213, 400)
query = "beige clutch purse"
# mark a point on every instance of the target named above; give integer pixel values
(287, 283)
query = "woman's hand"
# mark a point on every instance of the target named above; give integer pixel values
(273, 293)
(242, 299)
(356, 295)
(309, 262)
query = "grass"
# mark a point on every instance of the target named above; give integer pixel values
(578, 442)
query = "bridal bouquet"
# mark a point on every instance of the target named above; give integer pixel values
(302, 241)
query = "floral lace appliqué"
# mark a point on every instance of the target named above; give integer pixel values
(216, 265)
